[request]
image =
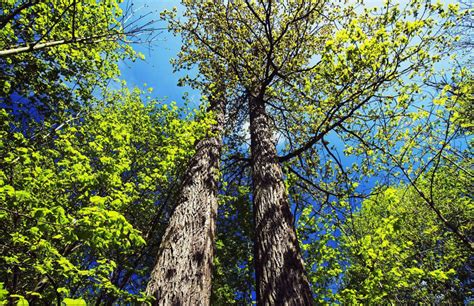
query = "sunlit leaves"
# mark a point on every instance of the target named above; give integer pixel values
(49, 83)
(85, 198)
(400, 251)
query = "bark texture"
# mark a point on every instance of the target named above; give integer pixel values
(281, 278)
(183, 270)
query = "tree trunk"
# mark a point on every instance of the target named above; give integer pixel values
(281, 278)
(183, 270)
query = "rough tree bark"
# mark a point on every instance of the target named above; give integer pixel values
(183, 270)
(281, 278)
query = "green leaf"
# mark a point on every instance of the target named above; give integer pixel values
(73, 302)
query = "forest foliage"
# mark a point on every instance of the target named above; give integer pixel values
(371, 109)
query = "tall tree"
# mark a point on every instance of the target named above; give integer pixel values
(255, 53)
(310, 70)
(183, 269)
(281, 278)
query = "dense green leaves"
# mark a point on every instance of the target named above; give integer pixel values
(395, 248)
(399, 250)
(50, 81)
(79, 205)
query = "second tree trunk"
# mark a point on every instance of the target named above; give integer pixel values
(281, 278)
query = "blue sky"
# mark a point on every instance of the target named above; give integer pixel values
(156, 70)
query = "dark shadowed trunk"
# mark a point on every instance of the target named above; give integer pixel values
(182, 273)
(281, 278)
